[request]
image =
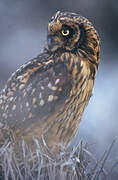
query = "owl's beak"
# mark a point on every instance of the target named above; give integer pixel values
(50, 41)
(52, 44)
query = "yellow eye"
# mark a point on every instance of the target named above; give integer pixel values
(65, 32)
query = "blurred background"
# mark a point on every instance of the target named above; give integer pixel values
(23, 27)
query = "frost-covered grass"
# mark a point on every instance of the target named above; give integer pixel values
(75, 164)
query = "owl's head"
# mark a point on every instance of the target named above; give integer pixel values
(70, 32)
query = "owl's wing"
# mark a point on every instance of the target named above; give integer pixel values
(34, 92)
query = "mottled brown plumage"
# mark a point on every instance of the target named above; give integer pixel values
(46, 97)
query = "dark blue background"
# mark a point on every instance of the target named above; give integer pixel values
(23, 26)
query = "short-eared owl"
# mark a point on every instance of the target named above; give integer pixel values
(45, 98)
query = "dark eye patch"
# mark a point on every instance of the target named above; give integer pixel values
(65, 28)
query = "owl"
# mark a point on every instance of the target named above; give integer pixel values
(46, 97)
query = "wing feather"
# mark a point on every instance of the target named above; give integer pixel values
(34, 92)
